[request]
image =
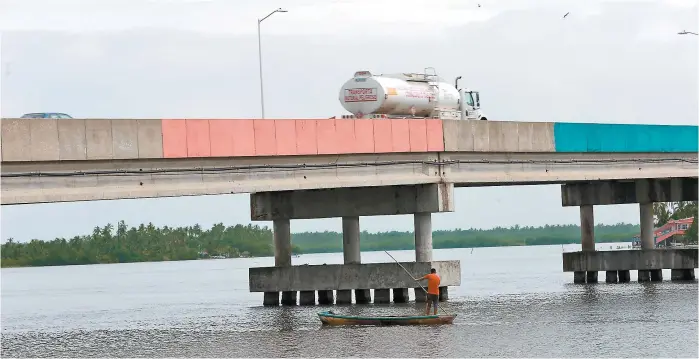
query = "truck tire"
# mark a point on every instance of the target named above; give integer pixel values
(484, 119)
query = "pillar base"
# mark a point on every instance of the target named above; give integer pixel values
(271, 299)
(400, 295)
(289, 298)
(307, 297)
(656, 275)
(443, 294)
(382, 296)
(344, 296)
(326, 297)
(591, 277)
(420, 296)
(611, 276)
(644, 275)
(624, 276)
(362, 296)
(682, 274)
(579, 277)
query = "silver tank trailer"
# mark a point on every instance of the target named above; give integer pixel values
(398, 95)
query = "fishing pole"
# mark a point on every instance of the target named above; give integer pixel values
(411, 276)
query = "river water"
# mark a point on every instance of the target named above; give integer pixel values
(513, 302)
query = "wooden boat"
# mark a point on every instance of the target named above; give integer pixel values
(330, 318)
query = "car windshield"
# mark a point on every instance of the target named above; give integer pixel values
(46, 115)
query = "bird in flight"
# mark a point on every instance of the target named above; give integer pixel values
(685, 32)
(564, 16)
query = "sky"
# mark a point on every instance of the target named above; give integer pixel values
(608, 61)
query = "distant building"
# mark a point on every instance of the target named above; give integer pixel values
(669, 234)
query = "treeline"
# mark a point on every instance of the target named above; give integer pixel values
(324, 242)
(147, 243)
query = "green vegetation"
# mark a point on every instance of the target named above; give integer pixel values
(148, 243)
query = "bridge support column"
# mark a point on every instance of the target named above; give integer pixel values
(420, 295)
(587, 239)
(281, 229)
(362, 296)
(350, 240)
(344, 296)
(647, 235)
(400, 295)
(611, 276)
(423, 237)
(382, 296)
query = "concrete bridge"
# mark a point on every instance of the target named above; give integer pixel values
(350, 168)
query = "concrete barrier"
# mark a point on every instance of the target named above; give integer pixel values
(497, 136)
(635, 259)
(603, 137)
(349, 276)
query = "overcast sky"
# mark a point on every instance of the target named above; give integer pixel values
(607, 61)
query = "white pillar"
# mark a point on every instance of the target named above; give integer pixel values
(282, 242)
(350, 240)
(647, 219)
(587, 228)
(423, 237)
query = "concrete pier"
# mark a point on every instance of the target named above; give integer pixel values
(647, 235)
(587, 228)
(281, 230)
(400, 295)
(289, 298)
(420, 295)
(271, 299)
(344, 296)
(682, 275)
(648, 262)
(350, 240)
(611, 276)
(307, 297)
(591, 277)
(579, 277)
(443, 294)
(423, 237)
(326, 297)
(362, 296)
(382, 296)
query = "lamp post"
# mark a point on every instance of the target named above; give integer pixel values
(259, 49)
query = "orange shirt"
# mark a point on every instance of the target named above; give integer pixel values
(432, 283)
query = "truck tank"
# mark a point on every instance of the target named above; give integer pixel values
(406, 94)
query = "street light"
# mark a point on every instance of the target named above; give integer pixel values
(259, 49)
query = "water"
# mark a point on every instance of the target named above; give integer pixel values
(513, 302)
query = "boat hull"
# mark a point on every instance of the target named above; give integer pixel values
(335, 319)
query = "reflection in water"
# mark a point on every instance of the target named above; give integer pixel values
(513, 302)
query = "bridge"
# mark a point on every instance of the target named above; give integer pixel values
(320, 168)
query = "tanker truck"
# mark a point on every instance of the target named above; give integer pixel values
(408, 95)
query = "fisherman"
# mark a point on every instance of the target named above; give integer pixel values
(433, 281)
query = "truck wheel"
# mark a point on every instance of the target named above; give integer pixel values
(484, 119)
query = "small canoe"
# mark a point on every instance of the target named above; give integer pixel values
(330, 318)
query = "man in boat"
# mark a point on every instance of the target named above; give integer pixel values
(433, 281)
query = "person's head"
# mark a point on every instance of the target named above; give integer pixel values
(433, 271)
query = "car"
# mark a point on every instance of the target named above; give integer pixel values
(46, 115)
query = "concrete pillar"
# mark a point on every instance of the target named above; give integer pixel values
(289, 298)
(624, 276)
(677, 274)
(579, 277)
(611, 276)
(656, 275)
(423, 237)
(271, 298)
(307, 297)
(350, 240)
(587, 228)
(326, 297)
(344, 296)
(382, 295)
(689, 274)
(443, 294)
(647, 237)
(591, 277)
(420, 295)
(282, 242)
(362, 296)
(644, 275)
(400, 295)
(281, 230)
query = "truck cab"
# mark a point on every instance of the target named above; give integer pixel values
(471, 105)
